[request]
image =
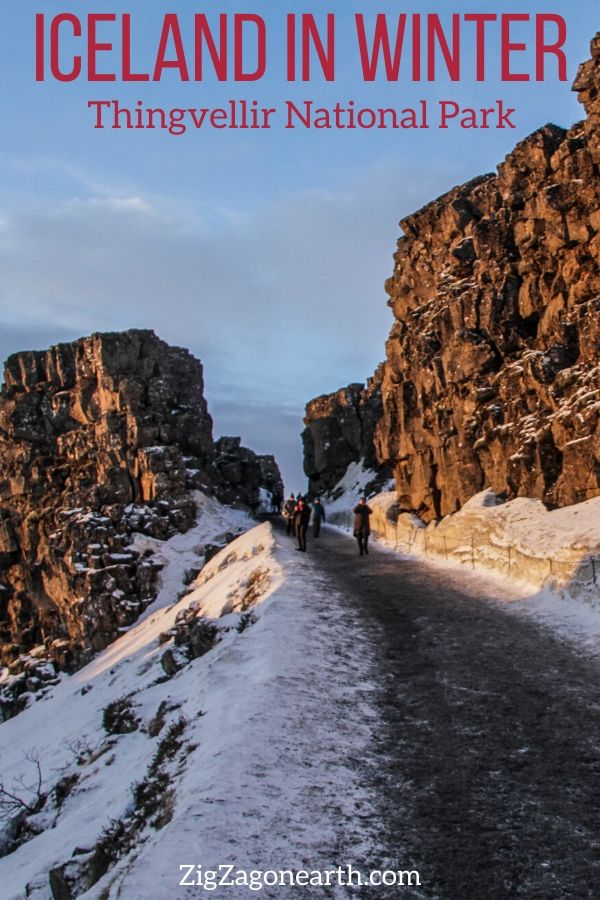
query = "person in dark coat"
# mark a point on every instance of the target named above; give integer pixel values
(301, 520)
(318, 514)
(362, 527)
(288, 512)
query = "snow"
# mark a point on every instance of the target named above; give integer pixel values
(183, 551)
(265, 500)
(581, 440)
(258, 769)
(536, 562)
(69, 716)
(267, 773)
(529, 545)
(261, 780)
(348, 492)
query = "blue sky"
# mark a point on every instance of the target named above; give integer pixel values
(264, 252)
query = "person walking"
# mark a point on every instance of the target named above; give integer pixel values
(288, 512)
(362, 527)
(301, 520)
(318, 516)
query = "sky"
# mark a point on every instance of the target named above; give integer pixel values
(262, 251)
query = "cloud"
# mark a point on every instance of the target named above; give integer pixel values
(281, 303)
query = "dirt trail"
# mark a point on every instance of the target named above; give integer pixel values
(486, 759)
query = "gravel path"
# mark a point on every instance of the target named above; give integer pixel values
(486, 757)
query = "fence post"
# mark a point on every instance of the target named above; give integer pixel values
(445, 547)
(425, 543)
(593, 570)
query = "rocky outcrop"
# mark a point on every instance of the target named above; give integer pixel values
(587, 85)
(99, 439)
(242, 474)
(491, 376)
(339, 430)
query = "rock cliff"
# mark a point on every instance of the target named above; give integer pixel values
(491, 375)
(100, 439)
(339, 430)
(242, 475)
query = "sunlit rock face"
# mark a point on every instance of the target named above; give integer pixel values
(100, 439)
(96, 441)
(491, 376)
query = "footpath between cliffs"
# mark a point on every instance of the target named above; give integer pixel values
(484, 764)
(372, 712)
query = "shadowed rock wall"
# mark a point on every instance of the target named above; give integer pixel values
(241, 473)
(339, 430)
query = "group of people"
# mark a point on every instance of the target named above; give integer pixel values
(297, 512)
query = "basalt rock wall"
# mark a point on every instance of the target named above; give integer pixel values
(339, 431)
(100, 439)
(491, 375)
(242, 475)
(96, 440)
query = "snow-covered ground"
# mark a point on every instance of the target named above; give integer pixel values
(251, 776)
(229, 757)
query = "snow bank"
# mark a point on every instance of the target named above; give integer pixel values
(534, 547)
(520, 539)
(182, 552)
(251, 777)
(66, 726)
